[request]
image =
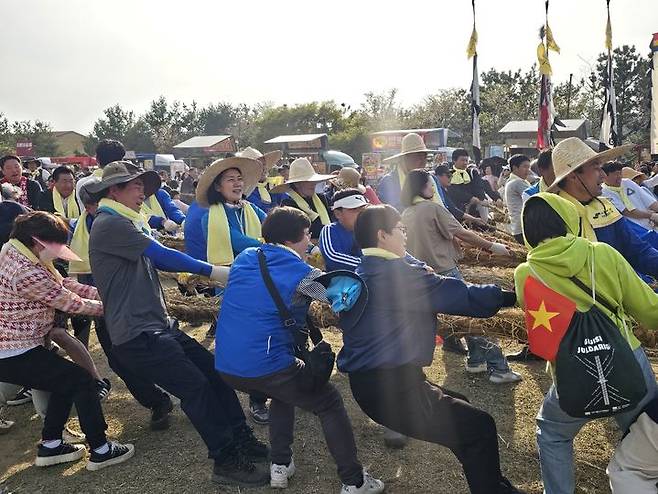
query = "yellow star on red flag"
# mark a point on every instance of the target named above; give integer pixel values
(542, 317)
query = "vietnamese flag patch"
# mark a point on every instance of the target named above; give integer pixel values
(547, 318)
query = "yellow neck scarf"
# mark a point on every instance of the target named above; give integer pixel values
(80, 245)
(264, 193)
(460, 177)
(542, 185)
(377, 252)
(138, 219)
(303, 205)
(621, 192)
(435, 198)
(98, 173)
(71, 211)
(23, 249)
(219, 249)
(151, 207)
(598, 213)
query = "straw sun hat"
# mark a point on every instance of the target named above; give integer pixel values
(348, 178)
(632, 173)
(249, 168)
(270, 158)
(572, 153)
(301, 170)
(411, 143)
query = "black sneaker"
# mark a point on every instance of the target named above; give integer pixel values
(22, 397)
(160, 415)
(235, 469)
(104, 386)
(259, 412)
(118, 453)
(455, 345)
(212, 330)
(523, 355)
(506, 487)
(249, 445)
(64, 453)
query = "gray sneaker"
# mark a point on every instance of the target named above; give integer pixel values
(504, 377)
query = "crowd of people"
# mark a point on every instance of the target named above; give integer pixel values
(83, 249)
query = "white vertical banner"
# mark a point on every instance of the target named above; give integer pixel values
(654, 96)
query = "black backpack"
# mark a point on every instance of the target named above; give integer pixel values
(596, 373)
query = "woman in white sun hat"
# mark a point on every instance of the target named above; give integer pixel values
(300, 188)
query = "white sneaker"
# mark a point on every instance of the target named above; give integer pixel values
(476, 369)
(498, 377)
(279, 474)
(370, 485)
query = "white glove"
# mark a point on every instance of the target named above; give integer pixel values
(170, 226)
(499, 250)
(220, 274)
(654, 218)
(315, 251)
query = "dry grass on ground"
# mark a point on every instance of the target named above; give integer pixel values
(174, 461)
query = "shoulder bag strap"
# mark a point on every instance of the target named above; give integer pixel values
(588, 291)
(285, 315)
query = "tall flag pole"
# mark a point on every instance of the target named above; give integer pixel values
(654, 97)
(609, 137)
(546, 118)
(471, 52)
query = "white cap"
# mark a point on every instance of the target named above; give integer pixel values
(350, 202)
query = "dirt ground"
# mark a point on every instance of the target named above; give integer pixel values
(175, 461)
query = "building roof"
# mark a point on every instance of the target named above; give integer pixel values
(451, 133)
(529, 126)
(295, 138)
(201, 142)
(60, 133)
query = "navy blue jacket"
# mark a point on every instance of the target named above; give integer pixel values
(398, 324)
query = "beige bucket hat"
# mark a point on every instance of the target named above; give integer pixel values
(348, 178)
(270, 159)
(301, 170)
(632, 173)
(411, 143)
(251, 171)
(573, 153)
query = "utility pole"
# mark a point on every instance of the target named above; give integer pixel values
(569, 96)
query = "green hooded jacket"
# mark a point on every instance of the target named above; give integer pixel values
(555, 260)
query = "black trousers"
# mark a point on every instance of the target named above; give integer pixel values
(67, 382)
(182, 367)
(142, 389)
(403, 400)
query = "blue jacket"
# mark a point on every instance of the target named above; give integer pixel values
(255, 199)
(339, 248)
(398, 324)
(389, 189)
(170, 209)
(251, 340)
(235, 216)
(195, 240)
(636, 244)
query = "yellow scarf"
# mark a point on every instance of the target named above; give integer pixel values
(136, 217)
(377, 252)
(219, 250)
(593, 215)
(460, 177)
(71, 211)
(264, 193)
(98, 173)
(435, 198)
(621, 192)
(23, 249)
(80, 245)
(303, 205)
(151, 207)
(542, 185)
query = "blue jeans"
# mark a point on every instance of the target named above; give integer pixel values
(556, 431)
(480, 349)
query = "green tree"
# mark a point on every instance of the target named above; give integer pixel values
(114, 124)
(37, 132)
(631, 83)
(449, 108)
(138, 138)
(172, 123)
